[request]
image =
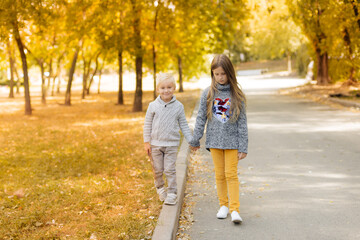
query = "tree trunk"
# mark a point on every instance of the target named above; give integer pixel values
(180, 75)
(93, 74)
(84, 82)
(50, 74)
(322, 71)
(100, 73)
(71, 75)
(289, 61)
(42, 72)
(351, 80)
(138, 92)
(154, 67)
(139, 56)
(18, 79)
(98, 91)
(53, 86)
(325, 68)
(120, 93)
(58, 74)
(28, 110)
(43, 84)
(11, 60)
(153, 48)
(86, 72)
(54, 81)
(356, 12)
(59, 84)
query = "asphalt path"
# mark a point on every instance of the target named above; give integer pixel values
(301, 179)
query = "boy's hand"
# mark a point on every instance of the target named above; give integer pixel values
(193, 148)
(147, 148)
(241, 155)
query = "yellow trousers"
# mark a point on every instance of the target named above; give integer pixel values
(227, 182)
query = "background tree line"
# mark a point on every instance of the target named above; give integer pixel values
(61, 37)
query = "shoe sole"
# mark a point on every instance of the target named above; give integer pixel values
(237, 221)
(167, 203)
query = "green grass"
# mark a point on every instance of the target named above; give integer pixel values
(76, 172)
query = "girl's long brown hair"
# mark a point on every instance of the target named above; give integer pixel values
(237, 95)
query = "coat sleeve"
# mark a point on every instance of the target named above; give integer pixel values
(184, 126)
(243, 131)
(200, 120)
(148, 123)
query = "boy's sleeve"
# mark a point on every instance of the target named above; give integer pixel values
(184, 126)
(200, 120)
(148, 123)
(243, 131)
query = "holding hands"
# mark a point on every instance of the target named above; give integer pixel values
(193, 148)
(241, 155)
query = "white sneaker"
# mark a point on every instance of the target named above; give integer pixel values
(162, 193)
(171, 199)
(223, 212)
(235, 217)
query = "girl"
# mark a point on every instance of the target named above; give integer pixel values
(222, 106)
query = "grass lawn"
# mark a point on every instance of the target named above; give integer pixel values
(77, 172)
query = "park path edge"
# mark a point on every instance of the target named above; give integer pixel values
(168, 220)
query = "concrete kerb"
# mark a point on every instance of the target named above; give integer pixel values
(345, 103)
(168, 220)
(342, 102)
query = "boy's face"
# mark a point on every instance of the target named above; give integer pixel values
(166, 90)
(220, 75)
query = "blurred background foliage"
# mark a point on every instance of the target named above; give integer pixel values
(60, 38)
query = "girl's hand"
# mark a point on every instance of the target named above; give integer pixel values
(193, 148)
(241, 155)
(147, 148)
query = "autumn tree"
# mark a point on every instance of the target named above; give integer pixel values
(113, 35)
(310, 16)
(11, 55)
(273, 34)
(137, 9)
(78, 19)
(14, 14)
(344, 34)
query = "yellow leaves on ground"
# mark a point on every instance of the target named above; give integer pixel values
(70, 172)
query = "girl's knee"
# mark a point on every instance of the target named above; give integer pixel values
(231, 175)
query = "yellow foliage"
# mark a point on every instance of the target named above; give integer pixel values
(69, 172)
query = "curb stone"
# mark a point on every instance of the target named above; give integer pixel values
(342, 102)
(345, 103)
(168, 220)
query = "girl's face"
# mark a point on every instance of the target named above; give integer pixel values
(220, 75)
(166, 90)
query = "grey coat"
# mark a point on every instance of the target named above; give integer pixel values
(221, 133)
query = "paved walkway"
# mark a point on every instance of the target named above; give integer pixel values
(301, 179)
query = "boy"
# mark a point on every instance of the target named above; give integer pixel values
(163, 118)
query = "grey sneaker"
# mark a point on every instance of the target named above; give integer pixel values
(171, 199)
(162, 193)
(235, 217)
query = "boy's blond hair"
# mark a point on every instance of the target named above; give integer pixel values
(165, 77)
